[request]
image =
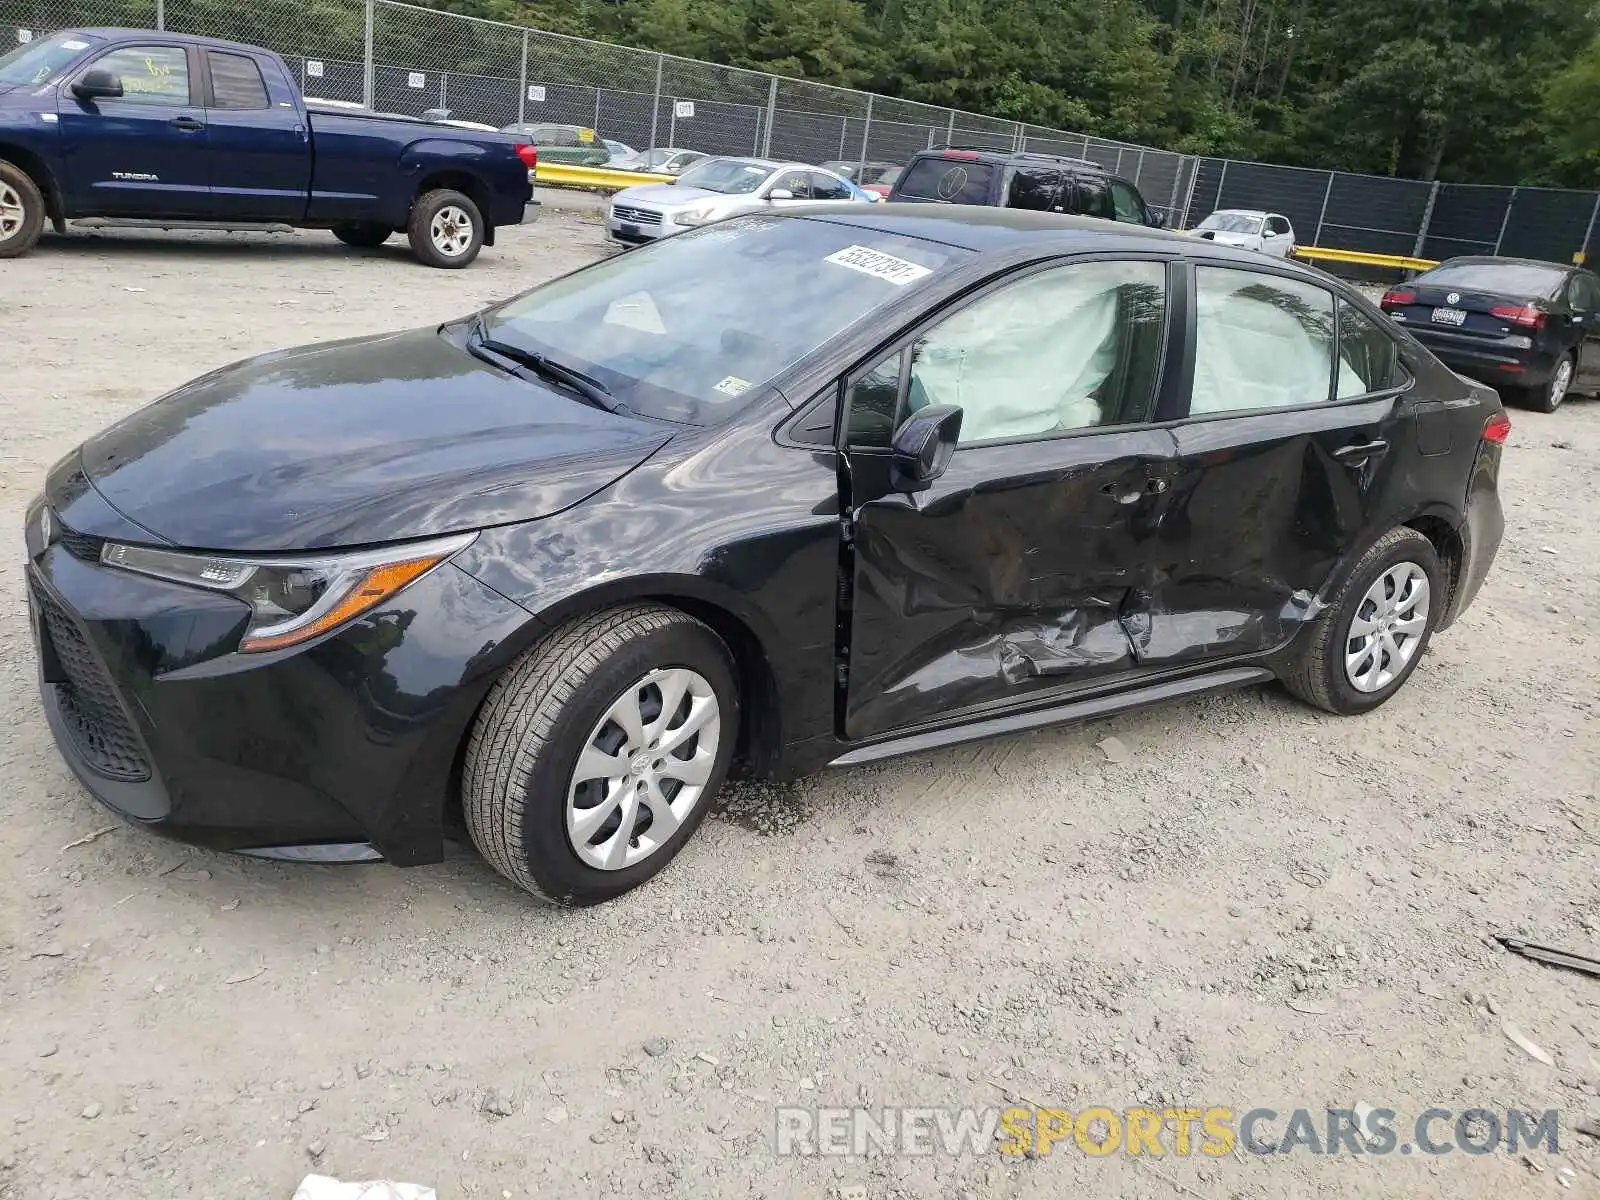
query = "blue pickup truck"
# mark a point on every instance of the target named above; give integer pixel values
(133, 126)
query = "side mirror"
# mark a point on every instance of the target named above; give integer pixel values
(780, 194)
(96, 84)
(1158, 220)
(922, 447)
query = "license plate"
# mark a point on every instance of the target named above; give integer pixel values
(629, 231)
(1448, 316)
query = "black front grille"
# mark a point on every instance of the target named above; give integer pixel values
(80, 545)
(87, 697)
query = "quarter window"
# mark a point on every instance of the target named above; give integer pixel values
(1261, 341)
(236, 82)
(150, 74)
(1368, 357)
(1068, 348)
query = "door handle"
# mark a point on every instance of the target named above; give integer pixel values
(187, 125)
(1361, 451)
(1133, 491)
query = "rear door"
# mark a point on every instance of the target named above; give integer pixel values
(1006, 579)
(1036, 186)
(260, 144)
(1283, 462)
(143, 154)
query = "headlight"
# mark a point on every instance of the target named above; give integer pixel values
(695, 216)
(293, 599)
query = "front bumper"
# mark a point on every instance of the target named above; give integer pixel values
(347, 742)
(636, 232)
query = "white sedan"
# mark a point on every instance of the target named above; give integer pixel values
(1250, 229)
(716, 189)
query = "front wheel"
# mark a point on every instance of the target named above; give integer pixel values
(364, 234)
(1371, 636)
(21, 211)
(598, 752)
(446, 229)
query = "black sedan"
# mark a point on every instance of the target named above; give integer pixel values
(1528, 328)
(787, 491)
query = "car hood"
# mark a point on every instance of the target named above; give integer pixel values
(667, 195)
(358, 442)
(1223, 237)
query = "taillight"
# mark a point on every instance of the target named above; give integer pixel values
(1497, 428)
(1525, 315)
(1397, 298)
(529, 155)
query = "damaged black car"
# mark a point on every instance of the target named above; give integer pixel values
(782, 492)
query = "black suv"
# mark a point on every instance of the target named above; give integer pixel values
(1018, 179)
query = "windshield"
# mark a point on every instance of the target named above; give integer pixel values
(35, 62)
(689, 328)
(1226, 222)
(654, 158)
(731, 176)
(1508, 278)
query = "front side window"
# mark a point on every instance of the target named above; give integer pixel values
(1277, 226)
(1034, 187)
(1068, 348)
(826, 187)
(1261, 341)
(690, 328)
(1094, 199)
(796, 183)
(150, 74)
(236, 82)
(1126, 204)
(1369, 360)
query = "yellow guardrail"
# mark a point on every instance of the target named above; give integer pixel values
(1400, 262)
(603, 178)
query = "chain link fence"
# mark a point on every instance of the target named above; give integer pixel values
(402, 58)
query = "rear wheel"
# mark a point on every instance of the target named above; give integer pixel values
(21, 211)
(363, 233)
(1548, 398)
(446, 229)
(1370, 638)
(599, 751)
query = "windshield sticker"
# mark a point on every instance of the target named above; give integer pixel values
(732, 386)
(637, 311)
(74, 45)
(879, 265)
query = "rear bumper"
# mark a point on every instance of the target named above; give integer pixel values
(1494, 361)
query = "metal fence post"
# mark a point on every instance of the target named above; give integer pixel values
(1316, 238)
(1505, 219)
(1587, 233)
(1427, 220)
(1138, 168)
(161, 15)
(772, 113)
(866, 132)
(655, 105)
(950, 129)
(1085, 153)
(444, 91)
(596, 125)
(1222, 182)
(1194, 180)
(368, 81)
(1172, 197)
(522, 82)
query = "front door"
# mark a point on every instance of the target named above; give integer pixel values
(1281, 465)
(1583, 293)
(1007, 577)
(260, 150)
(142, 154)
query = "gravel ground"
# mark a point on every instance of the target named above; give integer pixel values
(1241, 902)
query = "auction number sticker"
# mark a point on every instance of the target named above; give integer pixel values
(879, 265)
(732, 386)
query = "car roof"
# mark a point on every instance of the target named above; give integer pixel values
(989, 229)
(1038, 156)
(1497, 260)
(193, 39)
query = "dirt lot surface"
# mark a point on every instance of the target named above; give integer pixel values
(1241, 902)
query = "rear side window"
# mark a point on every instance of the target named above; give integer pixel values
(1368, 357)
(1261, 342)
(236, 82)
(948, 180)
(150, 74)
(1034, 187)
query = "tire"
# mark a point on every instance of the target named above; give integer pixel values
(1321, 677)
(521, 788)
(363, 234)
(1548, 398)
(446, 229)
(21, 211)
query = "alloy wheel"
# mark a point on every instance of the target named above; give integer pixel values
(643, 768)
(1387, 628)
(12, 214)
(451, 231)
(1560, 382)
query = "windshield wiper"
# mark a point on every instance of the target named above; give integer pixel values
(589, 388)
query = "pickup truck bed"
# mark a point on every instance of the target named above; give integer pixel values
(159, 128)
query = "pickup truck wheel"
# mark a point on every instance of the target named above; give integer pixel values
(446, 229)
(21, 211)
(363, 233)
